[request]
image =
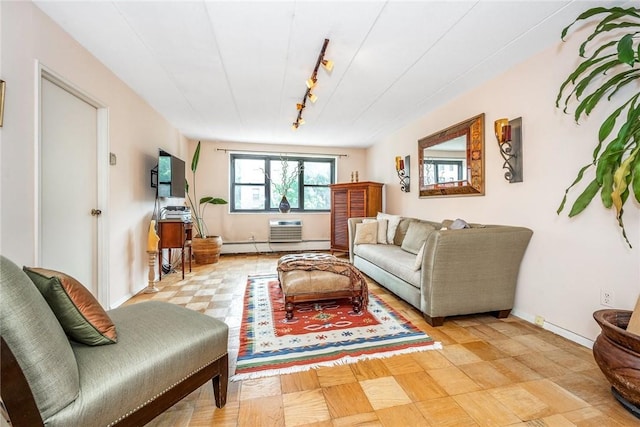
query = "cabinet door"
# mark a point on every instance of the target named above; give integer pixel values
(339, 215)
(172, 234)
(357, 203)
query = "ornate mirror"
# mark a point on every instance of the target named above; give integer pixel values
(451, 161)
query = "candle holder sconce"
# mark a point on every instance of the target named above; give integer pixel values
(509, 136)
(402, 168)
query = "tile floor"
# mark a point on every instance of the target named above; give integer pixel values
(490, 372)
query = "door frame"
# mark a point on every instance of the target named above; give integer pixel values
(102, 172)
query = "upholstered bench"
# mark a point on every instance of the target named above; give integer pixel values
(315, 277)
(162, 352)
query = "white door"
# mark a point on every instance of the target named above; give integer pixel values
(69, 185)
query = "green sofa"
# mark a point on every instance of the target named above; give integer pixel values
(458, 271)
(163, 352)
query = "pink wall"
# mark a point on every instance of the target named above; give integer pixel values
(135, 133)
(568, 261)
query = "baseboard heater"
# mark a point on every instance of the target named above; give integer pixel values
(285, 231)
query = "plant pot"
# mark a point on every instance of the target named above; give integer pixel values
(617, 353)
(284, 206)
(207, 250)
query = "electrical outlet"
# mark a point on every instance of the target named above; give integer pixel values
(606, 297)
(252, 238)
(539, 320)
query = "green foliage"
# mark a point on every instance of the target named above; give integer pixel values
(197, 210)
(612, 66)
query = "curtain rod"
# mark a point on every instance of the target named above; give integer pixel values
(226, 150)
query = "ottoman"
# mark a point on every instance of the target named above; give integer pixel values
(315, 277)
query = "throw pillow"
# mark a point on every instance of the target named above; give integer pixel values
(393, 221)
(418, 263)
(417, 233)
(401, 231)
(366, 233)
(382, 229)
(81, 316)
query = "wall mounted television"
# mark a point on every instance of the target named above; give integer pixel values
(170, 175)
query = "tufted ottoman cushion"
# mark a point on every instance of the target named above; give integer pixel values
(315, 277)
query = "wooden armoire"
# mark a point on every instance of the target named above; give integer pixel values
(352, 200)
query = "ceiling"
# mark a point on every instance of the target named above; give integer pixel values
(234, 70)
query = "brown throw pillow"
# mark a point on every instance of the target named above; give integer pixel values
(79, 313)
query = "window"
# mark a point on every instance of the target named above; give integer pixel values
(440, 171)
(253, 190)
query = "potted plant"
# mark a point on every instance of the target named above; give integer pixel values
(284, 186)
(206, 248)
(612, 66)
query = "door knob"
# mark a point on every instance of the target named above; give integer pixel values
(96, 212)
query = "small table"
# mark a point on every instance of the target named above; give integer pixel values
(314, 277)
(174, 234)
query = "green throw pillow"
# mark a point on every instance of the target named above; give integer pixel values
(81, 316)
(417, 233)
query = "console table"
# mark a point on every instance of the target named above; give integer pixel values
(174, 234)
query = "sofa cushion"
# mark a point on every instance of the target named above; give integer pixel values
(392, 259)
(418, 263)
(37, 340)
(155, 340)
(366, 232)
(401, 231)
(80, 314)
(417, 233)
(382, 229)
(393, 221)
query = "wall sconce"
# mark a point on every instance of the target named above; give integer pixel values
(402, 168)
(311, 83)
(509, 136)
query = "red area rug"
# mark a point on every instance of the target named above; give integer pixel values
(323, 333)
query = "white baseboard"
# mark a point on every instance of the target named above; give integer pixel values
(571, 336)
(265, 247)
(121, 301)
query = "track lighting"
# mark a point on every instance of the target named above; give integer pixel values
(311, 83)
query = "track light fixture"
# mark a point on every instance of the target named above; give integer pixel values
(311, 83)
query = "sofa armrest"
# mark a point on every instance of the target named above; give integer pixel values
(351, 224)
(472, 270)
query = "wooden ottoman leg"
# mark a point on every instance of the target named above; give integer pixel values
(357, 303)
(288, 306)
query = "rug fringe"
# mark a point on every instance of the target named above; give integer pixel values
(342, 361)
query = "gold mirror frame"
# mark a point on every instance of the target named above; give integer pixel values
(473, 185)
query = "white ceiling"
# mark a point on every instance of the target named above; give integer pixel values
(234, 70)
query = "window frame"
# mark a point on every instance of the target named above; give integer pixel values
(266, 184)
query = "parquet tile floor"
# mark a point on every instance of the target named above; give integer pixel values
(490, 372)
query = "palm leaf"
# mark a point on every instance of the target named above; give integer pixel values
(625, 50)
(577, 180)
(636, 178)
(573, 76)
(607, 188)
(585, 198)
(605, 29)
(195, 159)
(588, 14)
